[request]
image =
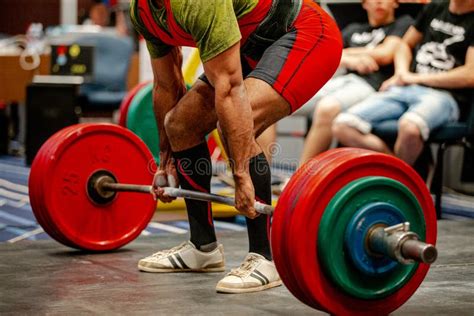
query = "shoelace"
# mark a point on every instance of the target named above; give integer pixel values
(165, 253)
(245, 268)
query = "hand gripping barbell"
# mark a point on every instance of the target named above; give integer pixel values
(353, 231)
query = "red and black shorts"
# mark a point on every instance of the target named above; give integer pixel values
(301, 61)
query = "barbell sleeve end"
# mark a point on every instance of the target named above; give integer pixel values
(419, 251)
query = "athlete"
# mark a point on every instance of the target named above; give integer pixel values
(262, 59)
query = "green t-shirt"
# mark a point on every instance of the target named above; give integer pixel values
(211, 23)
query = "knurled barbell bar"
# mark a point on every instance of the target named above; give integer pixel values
(351, 234)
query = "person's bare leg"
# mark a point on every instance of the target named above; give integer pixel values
(409, 144)
(186, 126)
(351, 137)
(320, 136)
(268, 107)
(267, 140)
(192, 118)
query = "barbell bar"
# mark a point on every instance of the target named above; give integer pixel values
(397, 241)
(106, 184)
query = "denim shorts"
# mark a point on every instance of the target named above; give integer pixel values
(428, 108)
(347, 89)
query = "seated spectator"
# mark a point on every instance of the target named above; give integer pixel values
(427, 94)
(368, 58)
(99, 14)
(103, 15)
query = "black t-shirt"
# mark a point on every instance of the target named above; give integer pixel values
(446, 39)
(364, 35)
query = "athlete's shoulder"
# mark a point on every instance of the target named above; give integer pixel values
(137, 21)
(134, 12)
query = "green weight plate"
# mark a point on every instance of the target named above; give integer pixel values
(141, 120)
(338, 213)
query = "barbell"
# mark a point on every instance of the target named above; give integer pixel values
(352, 233)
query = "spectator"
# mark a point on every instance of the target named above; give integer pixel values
(430, 93)
(99, 14)
(368, 57)
(111, 14)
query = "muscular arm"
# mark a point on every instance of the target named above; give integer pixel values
(382, 53)
(233, 109)
(168, 88)
(459, 77)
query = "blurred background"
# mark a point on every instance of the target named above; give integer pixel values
(69, 61)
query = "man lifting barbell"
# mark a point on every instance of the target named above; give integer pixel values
(258, 57)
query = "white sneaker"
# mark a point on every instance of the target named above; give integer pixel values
(184, 258)
(254, 274)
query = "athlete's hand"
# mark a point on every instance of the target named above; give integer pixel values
(165, 176)
(245, 196)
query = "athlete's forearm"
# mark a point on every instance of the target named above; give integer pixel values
(235, 119)
(168, 88)
(164, 99)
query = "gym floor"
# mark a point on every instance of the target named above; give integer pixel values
(41, 276)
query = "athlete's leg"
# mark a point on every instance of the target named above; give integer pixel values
(186, 125)
(267, 140)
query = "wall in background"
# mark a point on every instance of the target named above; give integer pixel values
(17, 15)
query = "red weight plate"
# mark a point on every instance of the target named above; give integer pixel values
(35, 186)
(55, 141)
(351, 165)
(35, 194)
(127, 101)
(38, 180)
(281, 219)
(93, 147)
(321, 163)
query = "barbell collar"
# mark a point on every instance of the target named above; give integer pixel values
(400, 244)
